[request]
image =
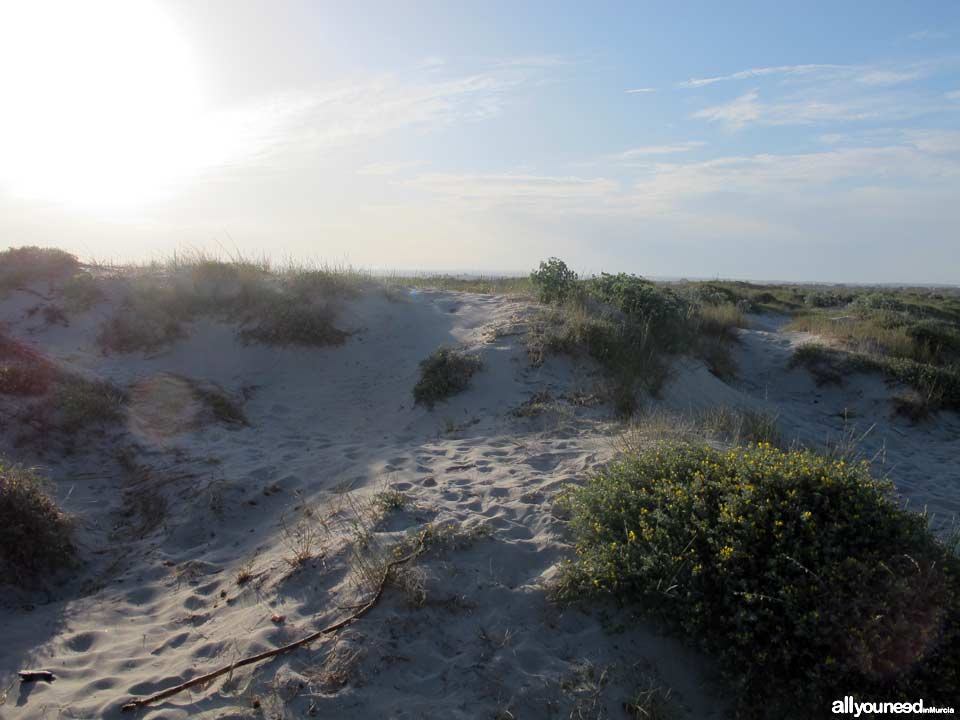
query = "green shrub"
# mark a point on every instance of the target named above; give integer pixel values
(666, 313)
(553, 281)
(879, 301)
(22, 265)
(35, 536)
(286, 321)
(446, 372)
(82, 291)
(800, 574)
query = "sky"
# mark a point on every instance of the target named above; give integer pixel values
(805, 141)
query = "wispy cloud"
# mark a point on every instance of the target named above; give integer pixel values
(388, 168)
(761, 72)
(928, 35)
(865, 74)
(952, 95)
(641, 90)
(647, 151)
(417, 100)
(750, 109)
(513, 187)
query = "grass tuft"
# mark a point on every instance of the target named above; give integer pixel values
(290, 322)
(446, 372)
(35, 535)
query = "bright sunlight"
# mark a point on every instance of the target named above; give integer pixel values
(109, 111)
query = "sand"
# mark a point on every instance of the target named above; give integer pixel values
(472, 631)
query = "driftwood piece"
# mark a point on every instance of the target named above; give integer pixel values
(34, 675)
(137, 703)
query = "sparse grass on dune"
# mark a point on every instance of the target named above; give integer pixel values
(933, 382)
(23, 265)
(488, 285)
(290, 305)
(801, 574)
(719, 425)
(35, 535)
(631, 327)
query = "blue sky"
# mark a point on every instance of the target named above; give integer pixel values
(814, 141)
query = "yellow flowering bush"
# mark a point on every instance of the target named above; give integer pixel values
(800, 574)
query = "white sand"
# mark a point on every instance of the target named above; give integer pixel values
(161, 604)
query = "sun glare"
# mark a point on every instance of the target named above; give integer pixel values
(102, 104)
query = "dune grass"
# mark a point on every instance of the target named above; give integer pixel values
(35, 535)
(484, 284)
(801, 574)
(284, 305)
(21, 266)
(444, 373)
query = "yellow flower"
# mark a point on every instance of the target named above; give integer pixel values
(725, 552)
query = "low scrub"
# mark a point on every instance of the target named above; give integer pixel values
(81, 292)
(930, 381)
(23, 265)
(290, 322)
(631, 326)
(446, 372)
(35, 535)
(801, 575)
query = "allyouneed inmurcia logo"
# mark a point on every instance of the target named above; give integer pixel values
(849, 706)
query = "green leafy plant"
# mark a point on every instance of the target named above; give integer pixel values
(553, 280)
(801, 574)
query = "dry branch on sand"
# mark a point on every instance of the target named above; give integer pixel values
(339, 625)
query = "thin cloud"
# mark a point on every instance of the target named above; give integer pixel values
(760, 72)
(646, 151)
(865, 74)
(641, 90)
(952, 95)
(509, 187)
(928, 35)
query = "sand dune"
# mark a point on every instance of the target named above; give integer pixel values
(174, 507)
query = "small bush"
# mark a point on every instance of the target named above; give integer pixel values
(81, 292)
(446, 372)
(553, 281)
(289, 322)
(35, 536)
(800, 574)
(23, 265)
(878, 301)
(662, 311)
